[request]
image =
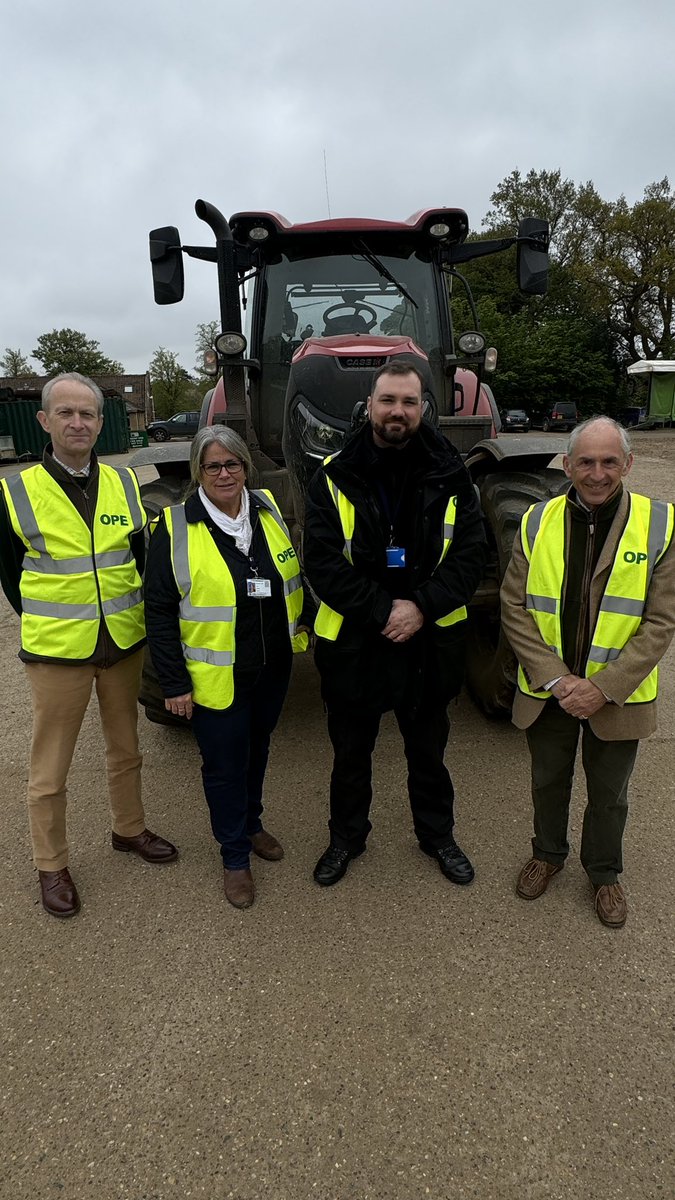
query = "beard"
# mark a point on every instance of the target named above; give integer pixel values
(394, 433)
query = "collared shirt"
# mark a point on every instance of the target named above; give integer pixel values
(83, 473)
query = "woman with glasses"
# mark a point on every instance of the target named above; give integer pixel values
(223, 606)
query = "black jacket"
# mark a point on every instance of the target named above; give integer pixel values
(261, 631)
(82, 494)
(407, 495)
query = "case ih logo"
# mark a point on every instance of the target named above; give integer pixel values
(363, 362)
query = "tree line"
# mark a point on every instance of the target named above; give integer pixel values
(174, 389)
(61, 350)
(610, 301)
(610, 297)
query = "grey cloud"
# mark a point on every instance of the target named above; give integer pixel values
(116, 119)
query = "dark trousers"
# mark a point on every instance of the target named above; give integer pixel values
(425, 736)
(234, 744)
(607, 766)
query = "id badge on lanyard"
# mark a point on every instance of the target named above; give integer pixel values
(395, 556)
(259, 589)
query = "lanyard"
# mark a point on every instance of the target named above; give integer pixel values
(390, 510)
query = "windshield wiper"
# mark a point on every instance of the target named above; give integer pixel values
(384, 272)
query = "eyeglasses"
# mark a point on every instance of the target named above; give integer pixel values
(232, 466)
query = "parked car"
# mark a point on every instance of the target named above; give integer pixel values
(561, 416)
(183, 424)
(514, 419)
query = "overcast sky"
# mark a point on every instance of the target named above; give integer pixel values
(115, 118)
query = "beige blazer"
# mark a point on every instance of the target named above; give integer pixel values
(615, 721)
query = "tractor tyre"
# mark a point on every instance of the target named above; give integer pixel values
(491, 667)
(156, 495)
(162, 492)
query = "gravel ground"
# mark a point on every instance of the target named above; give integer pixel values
(392, 1038)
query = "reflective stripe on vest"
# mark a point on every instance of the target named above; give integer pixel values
(208, 604)
(73, 575)
(644, 540)
(458, 614)
(286, 562)
(329, 622)
(347, 516)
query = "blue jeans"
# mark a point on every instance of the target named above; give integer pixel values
(234, 744)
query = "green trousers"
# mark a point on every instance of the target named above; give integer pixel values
(607, 766)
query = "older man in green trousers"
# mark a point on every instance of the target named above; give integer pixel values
(588, 607)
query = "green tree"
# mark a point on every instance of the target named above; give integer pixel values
(611, 262)
(70, 350)
(557, 358)
(631, 274)
(575, 213)
(563, 345)
(14, 363)
(172, 388)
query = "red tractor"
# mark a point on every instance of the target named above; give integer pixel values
(326, 303)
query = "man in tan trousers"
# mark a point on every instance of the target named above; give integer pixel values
(588, 605)
(71, 556)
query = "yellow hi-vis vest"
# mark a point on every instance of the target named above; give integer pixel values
(328, 622)
(208, 605)
(645, 539)
(73, 575)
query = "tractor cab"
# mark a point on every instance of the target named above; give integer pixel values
(333, 300)
(328, 310)
(327, 303)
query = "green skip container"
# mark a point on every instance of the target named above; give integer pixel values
(18, 420)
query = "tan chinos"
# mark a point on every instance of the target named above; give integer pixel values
(61, 693)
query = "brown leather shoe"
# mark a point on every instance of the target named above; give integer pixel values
(59, 894)
(535, 877)
(149, 846)
(610, 904)
(266, 846)
(239, 887)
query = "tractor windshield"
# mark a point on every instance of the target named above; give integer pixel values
(319, 297)
(340, 294)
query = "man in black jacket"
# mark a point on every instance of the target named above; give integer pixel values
(394, 549)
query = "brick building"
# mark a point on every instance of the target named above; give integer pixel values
(135, 390)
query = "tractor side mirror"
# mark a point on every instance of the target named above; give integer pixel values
(166, 257)
(533, 256)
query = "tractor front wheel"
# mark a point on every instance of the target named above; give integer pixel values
(491, 668)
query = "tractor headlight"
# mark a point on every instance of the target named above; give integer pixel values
(230, 343)
(471, 342)
(318, 438)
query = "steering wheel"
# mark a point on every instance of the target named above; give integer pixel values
(357, 308)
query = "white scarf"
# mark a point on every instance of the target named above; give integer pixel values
(238, 527)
